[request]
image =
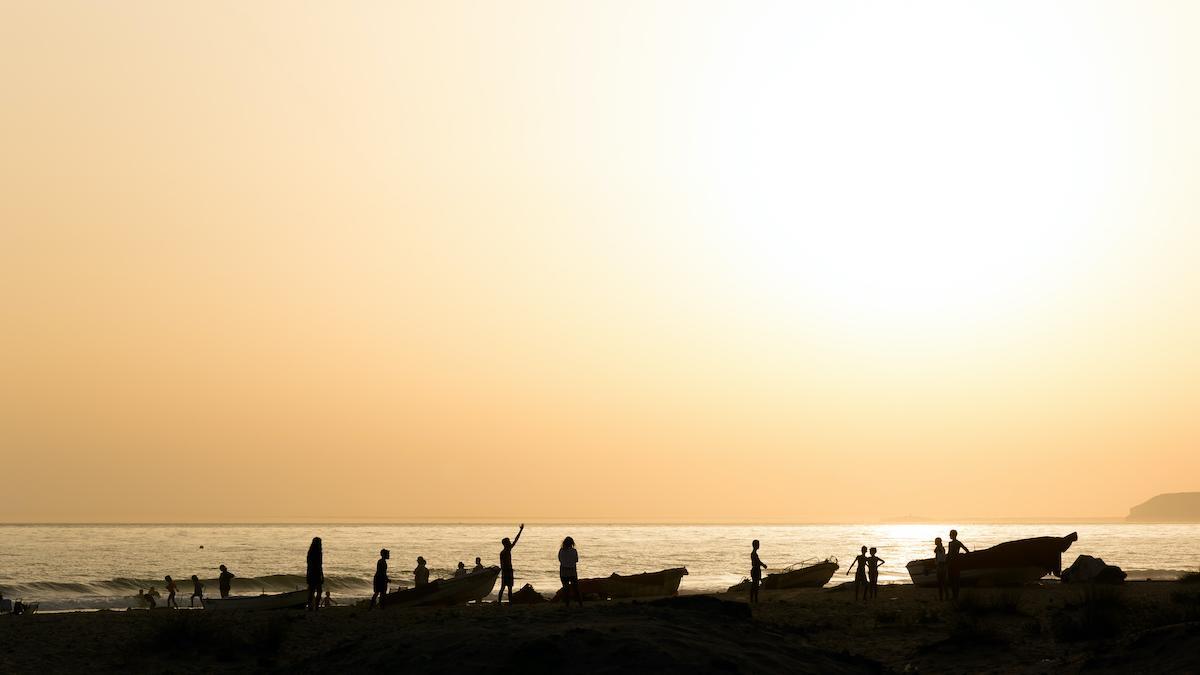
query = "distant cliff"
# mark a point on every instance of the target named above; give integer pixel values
(1173, 507)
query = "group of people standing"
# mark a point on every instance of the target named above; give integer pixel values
(568, 561)
(866, 569)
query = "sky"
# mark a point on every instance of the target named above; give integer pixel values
(604, 261)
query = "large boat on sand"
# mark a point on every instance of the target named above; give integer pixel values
(1011, 563)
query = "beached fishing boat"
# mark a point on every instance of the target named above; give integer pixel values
(289, 600)
(800, 575)
(1011, 563)
(444, 592)
(644, 585)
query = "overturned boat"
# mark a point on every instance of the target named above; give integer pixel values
(445, 592)
(1011, 563)
(618, 586)
(289, 600)
(800, 575)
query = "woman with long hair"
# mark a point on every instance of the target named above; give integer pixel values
(568, 559)
(316, 574)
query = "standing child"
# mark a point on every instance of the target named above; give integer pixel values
(379, 584)
(756, 568)
(860, 576)
(171, 588)
(873, 563)
(939, 559)
(197, 592)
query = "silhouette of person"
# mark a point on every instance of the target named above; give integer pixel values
(379, 585)
(330, 603)
(873, 563)
(421, 573)
(197, 592)
(756, 568)
(315, 574)
(224, 581)
(860, 576)
(461, 570)
(478, 565)
(171, 588)
(568, 561)
(954, 562)
(506, 567)
(939, 561)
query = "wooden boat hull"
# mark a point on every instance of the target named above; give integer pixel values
(290, 600)
(644, 585)
(446, 592)
(1011, 563)
(812, 576)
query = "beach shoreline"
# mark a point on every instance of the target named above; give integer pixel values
(1041, 628)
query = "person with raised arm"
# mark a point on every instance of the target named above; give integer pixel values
(506, 565)
(860, 576)
(873, 563)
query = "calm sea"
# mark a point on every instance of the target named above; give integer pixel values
(101, 566)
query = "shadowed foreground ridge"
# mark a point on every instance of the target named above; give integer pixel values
(681, 635)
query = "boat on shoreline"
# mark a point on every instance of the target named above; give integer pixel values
(289, 600)
(800, 575)
(470, 587)
(1011, 563)
(618, 586)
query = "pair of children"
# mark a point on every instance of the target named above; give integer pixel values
(867, 576)
(197, 591)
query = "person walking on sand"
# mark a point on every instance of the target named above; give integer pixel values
(954, 561)
(421, 573)
(197, 592)
(224, 581)
(568, 561)
(379, 585)
(860, 576)
(506, 566)
(873, 563)
(756, 568)
(171, 588)
(315, 574)
(939, 561)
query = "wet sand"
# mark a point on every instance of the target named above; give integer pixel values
(1140, 627)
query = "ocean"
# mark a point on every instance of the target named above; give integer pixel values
(102, 566)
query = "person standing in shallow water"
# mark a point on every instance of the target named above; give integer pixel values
(756, 568)
(860, 576)
(873, 563)
(953, 561)
(568, 573)
(380, 583)
(939, 561)
(315, 576)
(171, 588)
(224, 581)
(506, 566)
(197, 592)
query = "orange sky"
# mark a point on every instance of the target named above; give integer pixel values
(645, 261)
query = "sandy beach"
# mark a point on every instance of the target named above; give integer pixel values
(1137, 627)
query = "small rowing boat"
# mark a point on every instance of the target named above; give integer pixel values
(445, 592)
(644, 585)
(800, 575)
(289, 600)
